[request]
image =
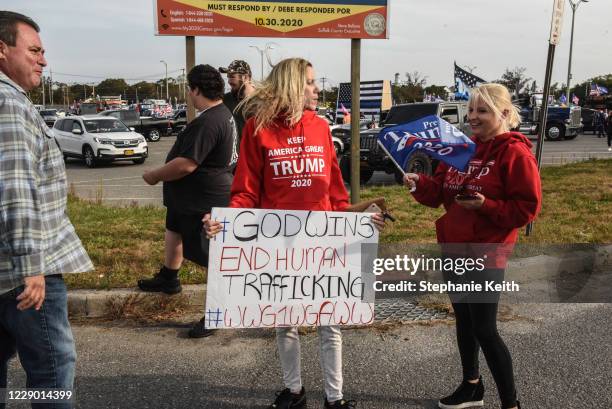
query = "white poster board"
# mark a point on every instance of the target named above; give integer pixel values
(278, 268)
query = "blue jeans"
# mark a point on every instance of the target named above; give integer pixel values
(43, 340)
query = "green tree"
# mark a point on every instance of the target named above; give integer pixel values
(331, 97)
(514, 79)
(111, 87)
(438, 90)
(411, 90)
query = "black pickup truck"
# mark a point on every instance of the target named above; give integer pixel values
(372, 158)
(150, 128)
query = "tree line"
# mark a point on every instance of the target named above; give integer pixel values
(60, 93)
(411, 89)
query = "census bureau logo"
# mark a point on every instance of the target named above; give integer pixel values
(374, 24)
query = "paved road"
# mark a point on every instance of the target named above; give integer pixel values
(121, 183)
(561, 353)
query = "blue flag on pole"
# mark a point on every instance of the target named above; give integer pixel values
(431, 135)
(597, 90)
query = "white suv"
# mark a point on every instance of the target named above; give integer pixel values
(99, 139)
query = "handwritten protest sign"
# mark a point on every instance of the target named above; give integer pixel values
(275, 268)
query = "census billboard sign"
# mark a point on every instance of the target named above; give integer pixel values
(431, 135)
(367, 19)
(282, 268)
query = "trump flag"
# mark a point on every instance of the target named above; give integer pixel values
(431, 135)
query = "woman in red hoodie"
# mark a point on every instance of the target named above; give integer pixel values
(485, 206)
(287, 161)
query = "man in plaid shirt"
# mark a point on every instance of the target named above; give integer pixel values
(37, 241)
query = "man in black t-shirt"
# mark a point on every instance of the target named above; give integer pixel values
(239, 80)
(197, 176)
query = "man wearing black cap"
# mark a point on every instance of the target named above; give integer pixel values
(239, 80)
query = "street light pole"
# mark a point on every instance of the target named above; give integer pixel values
(261, 54)
(167, 96)
(574, 6)
(269, 46)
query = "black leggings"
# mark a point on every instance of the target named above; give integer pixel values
(477, 327)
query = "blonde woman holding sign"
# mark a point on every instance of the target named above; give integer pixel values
(287, 161)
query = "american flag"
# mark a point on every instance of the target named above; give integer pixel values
(464, 81)
(371, 94)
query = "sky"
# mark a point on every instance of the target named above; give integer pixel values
(87, 41)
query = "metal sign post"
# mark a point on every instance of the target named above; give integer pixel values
(555, 33)
(355, 116)
(189, 64)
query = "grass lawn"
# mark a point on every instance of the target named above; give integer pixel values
(126, 243)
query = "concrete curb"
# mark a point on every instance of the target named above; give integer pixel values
(537, 269)
(96, 303)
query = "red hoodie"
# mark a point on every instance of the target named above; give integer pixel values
(509, 181)
(293, 168)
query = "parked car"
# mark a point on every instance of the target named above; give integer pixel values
(372, 158)
(179, 121)
(151, 128)
(49, 116)
(364, 124)
(587, 115)
(98, 139)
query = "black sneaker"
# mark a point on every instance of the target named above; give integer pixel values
(199, 330)
(467, 395)
(159, 283)
(287, 400)
(340, 404)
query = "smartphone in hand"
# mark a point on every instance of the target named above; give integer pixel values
(466, 196)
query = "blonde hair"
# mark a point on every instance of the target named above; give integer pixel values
(497, 98)
(281, 94)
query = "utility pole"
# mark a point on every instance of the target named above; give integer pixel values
(184, 86)
(51, 85)
(323, 79)
(43, 90)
